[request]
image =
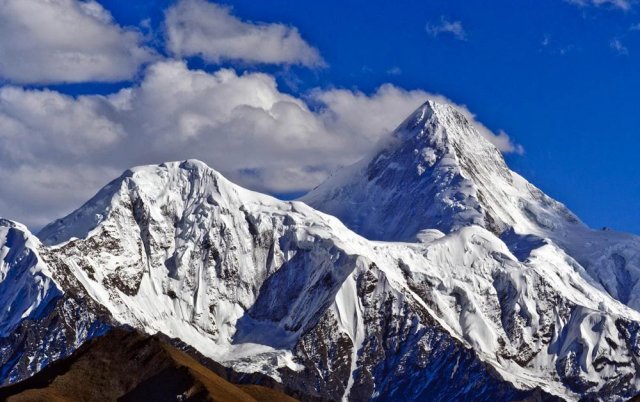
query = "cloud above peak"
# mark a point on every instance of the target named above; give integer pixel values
(240, 124)
(58, 41)
(372, 116)
(209, 30)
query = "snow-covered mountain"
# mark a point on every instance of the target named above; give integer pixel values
(437, 172)
(263, 285)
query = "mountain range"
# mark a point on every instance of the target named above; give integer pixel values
(427, 271)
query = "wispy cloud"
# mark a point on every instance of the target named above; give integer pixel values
(447, 27)
(618, 47)
(551, 46)
(625, 5)
(395, 70)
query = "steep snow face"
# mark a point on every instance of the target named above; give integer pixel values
(43, 316)
(277, 287)
(26, 285)
(437, 172)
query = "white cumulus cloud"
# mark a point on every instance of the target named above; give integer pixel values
(52, 41)
(201, 28)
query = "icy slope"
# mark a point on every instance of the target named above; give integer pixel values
(437, 172)
(277, 287)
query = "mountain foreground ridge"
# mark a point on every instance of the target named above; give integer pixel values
(125, 365)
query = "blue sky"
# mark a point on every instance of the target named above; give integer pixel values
(561, 78)
(574, 103)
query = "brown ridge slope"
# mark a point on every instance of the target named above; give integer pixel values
(125, 365)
